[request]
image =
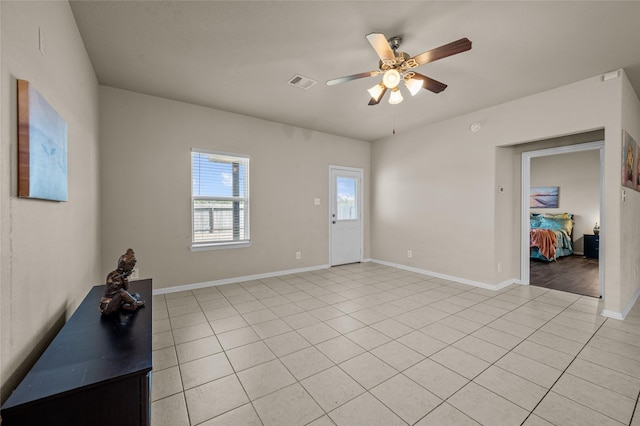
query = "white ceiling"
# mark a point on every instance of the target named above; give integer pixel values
(238, 55)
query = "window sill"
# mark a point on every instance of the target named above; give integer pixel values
(219, 246)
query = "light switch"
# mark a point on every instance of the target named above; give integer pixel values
(316, 201)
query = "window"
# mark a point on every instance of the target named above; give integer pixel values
(219, 199)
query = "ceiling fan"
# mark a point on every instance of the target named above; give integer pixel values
(398, 66)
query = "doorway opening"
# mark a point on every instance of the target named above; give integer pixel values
(580, 266)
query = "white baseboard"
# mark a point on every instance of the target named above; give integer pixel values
(621, 315)
(245, 278)
(449, 277)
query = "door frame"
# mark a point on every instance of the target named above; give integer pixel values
(359, 201)
(525, 223)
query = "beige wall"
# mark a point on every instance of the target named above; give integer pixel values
(49, 251)
(577, 174)
(435, 190)
(145, 188)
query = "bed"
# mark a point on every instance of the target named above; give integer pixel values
(551, 236)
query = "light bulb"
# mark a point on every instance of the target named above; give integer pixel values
(395, 97)
(414, 85)
(376, 91)
(391, 78)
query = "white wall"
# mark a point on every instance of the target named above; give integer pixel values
(49, 251)
(145, 188)
(435, 189)
(577, 174)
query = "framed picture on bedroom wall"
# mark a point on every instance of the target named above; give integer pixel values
(42, 147)
(544, 197)
(630, 161)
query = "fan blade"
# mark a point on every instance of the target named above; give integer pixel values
(430, 84)
(353, 77)
(373, 101)
(381, 46)
(452, 48)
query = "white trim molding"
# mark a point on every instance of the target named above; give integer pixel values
(622, 315)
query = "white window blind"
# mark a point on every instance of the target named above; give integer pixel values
(219, 198)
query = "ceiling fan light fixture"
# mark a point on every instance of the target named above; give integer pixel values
(395, 97)
(414, 85)
(391, 78)
(376, 91)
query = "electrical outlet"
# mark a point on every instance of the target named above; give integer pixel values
(298, 255)
(409, 254)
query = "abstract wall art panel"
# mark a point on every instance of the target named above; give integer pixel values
(42, 147)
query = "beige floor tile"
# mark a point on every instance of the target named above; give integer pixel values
(436, 378)
(244, 415)
(322, 421)
(559, 410)
(497, 337)
(365, 410)
(223, 325)
(344, 324)
(165, 382)
(306, 362)
(300, 320)
(198, 348)
(188, 320)
(233, 339)
(332, 388)
(529, 369)
(476, 316)
(368, 316)
(566, 332)
(317, 333)
(162, 340)
(480, 348)
(461, 324)
(520, 391)
(615, 362)
(420, 342)
(522, 319)
(286, 343)
(161, 325)
(265, 378)
(461, 362)
(164, 358)
(397, 355)
(287, 406)
(325, 313)
(259, 316)
(615, 347)
(286, 309)
(445, 414)
(250, 306)
(271, 328)
(214, 304)
(558, 343)
(551, 357)
(368, 337)
(339, 349)
(203, 370)
(170, 411)
(192, 332)
(406, 398)
(220, 312)
(227, 393)
(605, 377)
(517, 330)
(605, 401)
(392, 328)
(443, 333)
(249, 355)
(368, 370)
(486, 407)
(534, 420)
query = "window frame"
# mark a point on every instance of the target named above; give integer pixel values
(245, 216)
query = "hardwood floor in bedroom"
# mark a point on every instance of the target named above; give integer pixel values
(573, 274)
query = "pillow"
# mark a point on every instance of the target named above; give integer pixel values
(557, 224)
(559, 215)
(535, 221)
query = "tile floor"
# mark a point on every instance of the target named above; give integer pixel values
(367, 344)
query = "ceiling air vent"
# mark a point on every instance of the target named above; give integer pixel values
(301, 82)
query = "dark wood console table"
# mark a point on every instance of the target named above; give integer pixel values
(95, 372)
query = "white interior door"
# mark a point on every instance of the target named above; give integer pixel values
(345, 214)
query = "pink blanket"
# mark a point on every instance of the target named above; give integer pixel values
(545, 240)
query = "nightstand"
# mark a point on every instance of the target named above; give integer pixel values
(591, 245)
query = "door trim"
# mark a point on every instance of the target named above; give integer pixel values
(360, 201)
(524, 210)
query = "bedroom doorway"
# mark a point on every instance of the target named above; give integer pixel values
(570, 273)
